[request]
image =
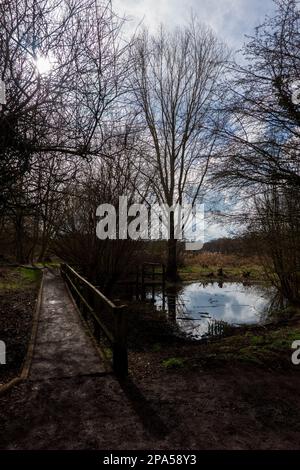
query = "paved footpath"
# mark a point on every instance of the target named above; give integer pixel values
(68, 402)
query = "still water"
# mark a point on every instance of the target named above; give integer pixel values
(194, 306)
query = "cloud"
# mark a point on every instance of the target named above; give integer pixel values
(230, 19)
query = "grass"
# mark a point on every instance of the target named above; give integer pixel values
(265, 346)
(48, 264)
(206, 265)
(173, 363)
(193, 273)
(271, 346)
(13, 279)
(29, 275)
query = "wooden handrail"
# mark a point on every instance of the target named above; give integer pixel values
(96, 303)
(90, 286)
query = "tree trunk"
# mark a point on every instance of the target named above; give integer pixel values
(171, 271)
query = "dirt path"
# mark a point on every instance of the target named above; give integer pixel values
(69, 402)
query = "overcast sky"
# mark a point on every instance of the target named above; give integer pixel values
(230, 19)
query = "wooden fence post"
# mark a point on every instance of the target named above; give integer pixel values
(120, 356)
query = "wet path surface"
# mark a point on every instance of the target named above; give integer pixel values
(63, 348)
(68, 402)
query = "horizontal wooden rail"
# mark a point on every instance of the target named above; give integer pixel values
(94, 305)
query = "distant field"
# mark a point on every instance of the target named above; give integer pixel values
(203, 265)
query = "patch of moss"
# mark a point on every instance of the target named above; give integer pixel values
(9, 285)
(107, 352)
(257, 340)
(271, 347)
(173, 363)
(19, 278)
(29, 275)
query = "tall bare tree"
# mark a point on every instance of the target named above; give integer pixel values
(175, 88)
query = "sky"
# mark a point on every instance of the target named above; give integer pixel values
(230, 19)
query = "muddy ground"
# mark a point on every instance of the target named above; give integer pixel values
(179, 395)
(225, 408)
(18, 295)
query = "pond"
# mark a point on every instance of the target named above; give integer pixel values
(196, 305)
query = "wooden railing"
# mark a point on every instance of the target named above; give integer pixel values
(95, 308)
(151, 277)
(145, 278)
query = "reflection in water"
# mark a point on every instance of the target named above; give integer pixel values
(194, 306)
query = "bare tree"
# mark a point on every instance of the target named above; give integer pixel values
(34, 208)
(70, 107)
(261, 140)
(275, 226)
(175, 90)
(26, 36)
(101, 261)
